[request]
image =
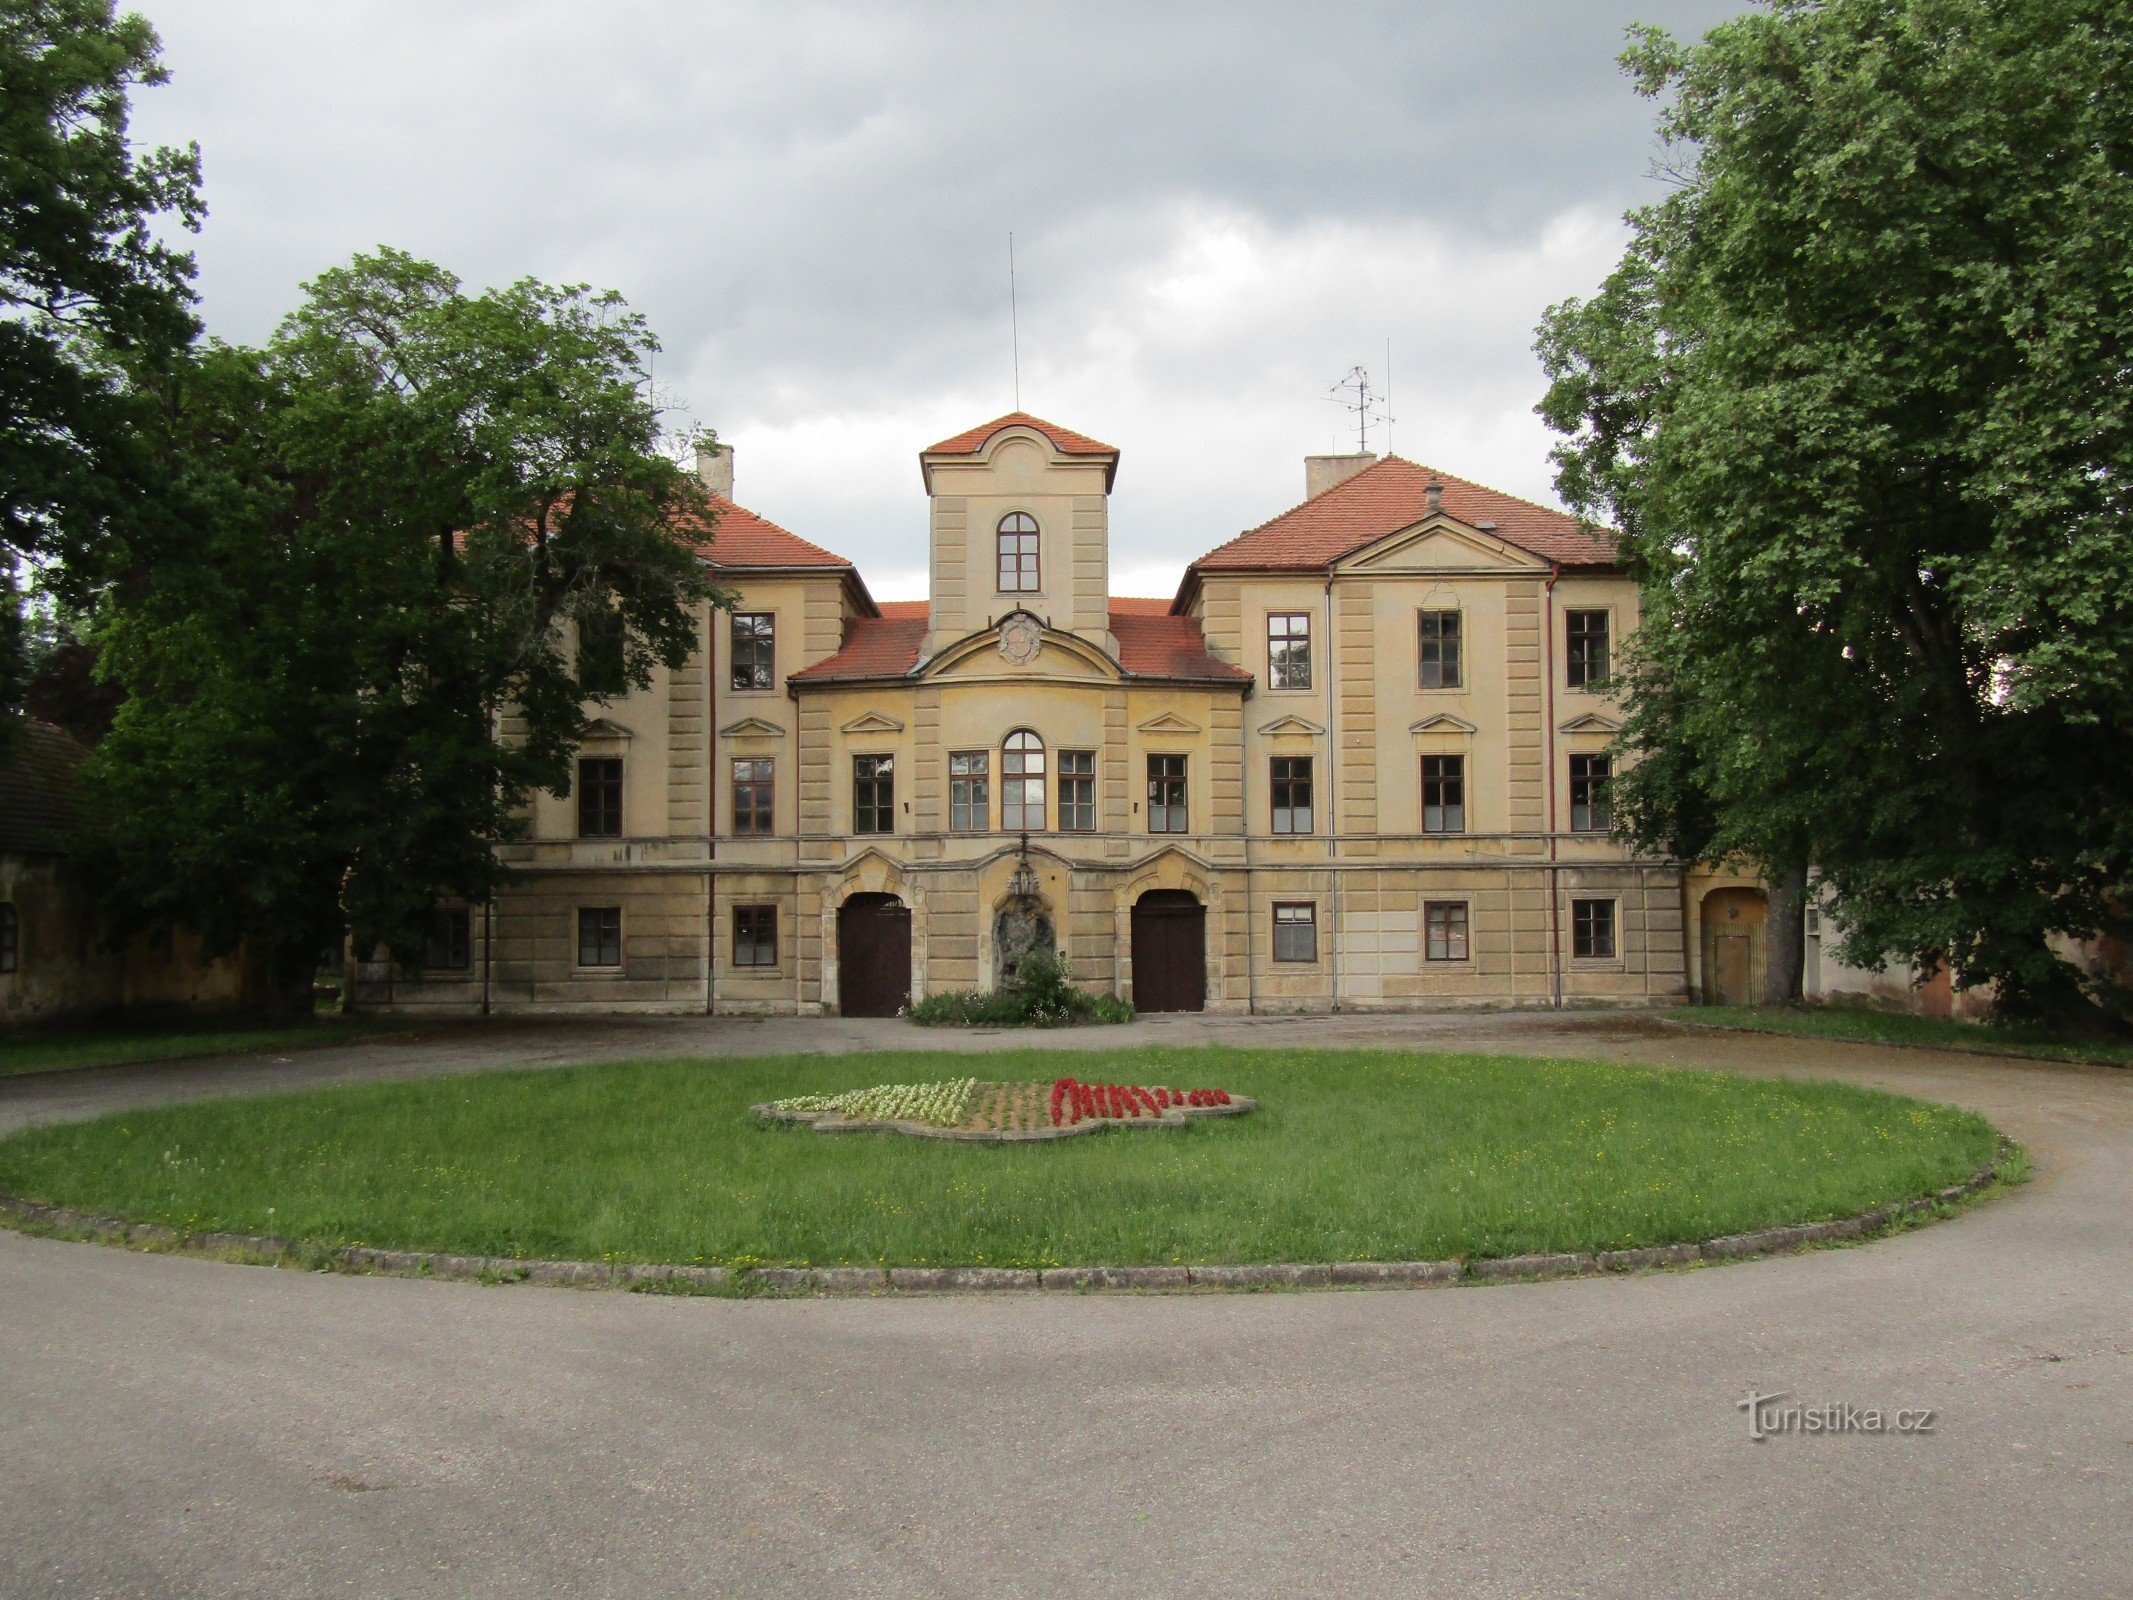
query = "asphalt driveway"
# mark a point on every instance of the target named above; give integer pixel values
(183, 1427)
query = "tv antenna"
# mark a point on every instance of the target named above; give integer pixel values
(1354, 395)
(1014, 318)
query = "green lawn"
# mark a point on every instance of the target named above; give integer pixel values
(58, 1050)
(1898, 1027)
(1352, 1156)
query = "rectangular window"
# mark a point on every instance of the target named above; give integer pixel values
(1166, 794)
(970, 791)
(1588, 793)
(600, 658)
(600, 797)
(873, 794)
(754, 797)
(1077, 791)
(1444, 794)
(1296, 933)
(1592, 928)
(755, 936)
(1292, 794)
(1587, 656)
(599, 936)
(451, 941)
(755, 649)
(1288, 650)
(10, 938)
(1440, 650)
(1444, 924)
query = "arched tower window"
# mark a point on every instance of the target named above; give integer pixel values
(1018, 553)
(1022, 782)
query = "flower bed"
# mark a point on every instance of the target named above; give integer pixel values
(963, 1108)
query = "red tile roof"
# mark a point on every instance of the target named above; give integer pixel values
(1392, 495)
(1151, 644)
(741, 539)
(1065, 440)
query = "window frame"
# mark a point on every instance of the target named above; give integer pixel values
(605, 632)
(1308, 921)
(594, 793)
(758, 915)
(1182, 805)
(762, 788)
(1585, 923)
(10, 937)
(1464, 931)
(882, 777)
(1578, 668)
(1451, 812)
(1018, 780)
(1029, 563)
(1296, 636)
(1279, 781)
(1598, 812)
(764, 642)
(1077, 790)
(578, 961)
(976, 805)
(456, 923)
(1454, 659)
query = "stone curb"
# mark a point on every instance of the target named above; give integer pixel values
(270, 1249)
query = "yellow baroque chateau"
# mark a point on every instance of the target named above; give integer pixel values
(1359, 761)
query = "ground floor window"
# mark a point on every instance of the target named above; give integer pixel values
(451, 941)
(599, 936)
(1077, 791)
(1592, 927)
(1444, 924)
(10, 938)
(755, 936)
(1296, 932)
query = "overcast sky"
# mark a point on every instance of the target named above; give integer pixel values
(1217, 210)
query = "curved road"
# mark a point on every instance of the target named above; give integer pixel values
(180, 1427)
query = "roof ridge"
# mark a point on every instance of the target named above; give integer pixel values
(1473, 483)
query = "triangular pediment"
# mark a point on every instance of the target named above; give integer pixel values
(751, 728)
(1591, 722)
(1443, 722)
(1169, 722)
(603, 729)
(1290, 725)
(1440, 545)
(873, 722)
(1021, 646)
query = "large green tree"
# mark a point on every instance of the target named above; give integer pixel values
(346, 633)
(87, 286)
(1858, 396)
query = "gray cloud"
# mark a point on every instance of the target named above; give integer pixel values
(1217, 209)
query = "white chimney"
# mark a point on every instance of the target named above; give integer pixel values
(1323, 472)
(715, 467)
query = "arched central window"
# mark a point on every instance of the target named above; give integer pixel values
(1018, 553)
(1022, 782)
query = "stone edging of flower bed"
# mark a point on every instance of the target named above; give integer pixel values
(30, 1216)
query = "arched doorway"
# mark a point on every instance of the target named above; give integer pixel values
(1733, 947)
(873, 956)
(1169, 952)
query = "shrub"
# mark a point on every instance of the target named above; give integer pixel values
(1040, 995)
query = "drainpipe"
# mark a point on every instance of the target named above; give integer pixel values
(1555, 915)
(711, 812)
(1333, 815)
(1251, 976)
(488, 944)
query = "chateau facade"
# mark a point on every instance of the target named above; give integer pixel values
(1358, 761)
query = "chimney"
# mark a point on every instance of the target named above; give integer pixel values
(1435, 492)
(715, 467)
(1323, 472)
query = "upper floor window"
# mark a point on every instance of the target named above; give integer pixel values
(1077, 791)
(1440, 650)
(1292, 794)
(1586, 659)
(450, 947)
(1588, 793)
(1018, 553)
(1288, 650)
(970, 791)
(1166, 795)
(755, 649)
(873, 794)
(1444, 794)
(600, 657)
(600, 797)
(10, 938)
(754, 796)
(1022, 782)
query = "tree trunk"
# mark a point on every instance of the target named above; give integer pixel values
(1785, 936)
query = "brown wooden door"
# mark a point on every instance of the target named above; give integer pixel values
(1730, 969)
(873, 956)
(1169, 952)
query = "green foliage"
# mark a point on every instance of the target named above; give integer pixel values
(85, 283)
(1041, 995)
(1857, 398)
(1353, 1155)
(343, 631)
